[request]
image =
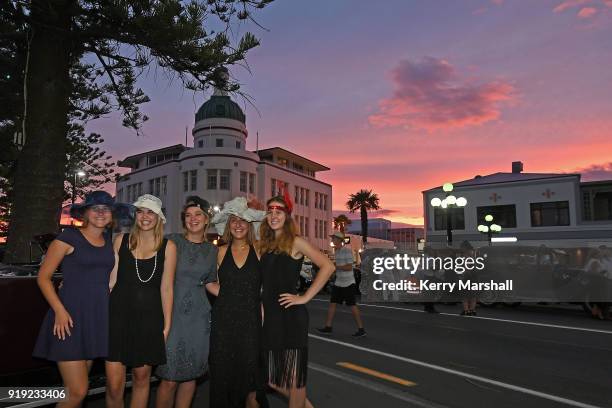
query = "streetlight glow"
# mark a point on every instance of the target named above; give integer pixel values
(488, 218)
(436, 202)
(451, 199)
(447, 187)
(461, 202)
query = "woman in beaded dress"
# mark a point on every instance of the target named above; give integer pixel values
(188, 342)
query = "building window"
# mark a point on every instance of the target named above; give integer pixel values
(325, 203)
(252, 183)
(504, 215)
(302, 225)
(152, 186)
(219, 142)
(200, 143)
(243, 181)
(238, 145)
(550, 214)
(306, 226)
(316, 201)
(324, 229)
(164, 185)
(316, 224)
(586, 206)
(273, 189)
(194, 179)
(457, 218)
(283, 162)
(185, 181)
(120, 195)
(139, 189)
(296, 196)
(224, 180)
(307, 197)
(211, 179)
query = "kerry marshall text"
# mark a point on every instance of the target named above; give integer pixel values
(427, 285)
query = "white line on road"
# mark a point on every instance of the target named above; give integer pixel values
(371, 385)
(501, 384)
(555, 326)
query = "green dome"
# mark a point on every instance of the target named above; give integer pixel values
(220, 106)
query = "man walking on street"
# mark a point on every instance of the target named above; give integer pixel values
(344, 287)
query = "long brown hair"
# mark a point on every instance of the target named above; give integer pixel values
(268, 242)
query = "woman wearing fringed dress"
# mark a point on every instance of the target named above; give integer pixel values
(285, 328)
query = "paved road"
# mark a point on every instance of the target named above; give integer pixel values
(531, 356)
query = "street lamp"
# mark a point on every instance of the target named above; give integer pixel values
(78, 173)
(449, 202)
(490, 228)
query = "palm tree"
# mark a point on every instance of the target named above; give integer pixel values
(364, 201)
(340, 222)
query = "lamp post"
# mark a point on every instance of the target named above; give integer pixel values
(490, 228)
(78, 173)
(449, 202)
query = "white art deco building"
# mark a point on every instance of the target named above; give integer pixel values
(219, 168)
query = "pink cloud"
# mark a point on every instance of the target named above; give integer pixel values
(567, 4)
(596, 172)
(497, 2)
(587, 12)
(430, 95)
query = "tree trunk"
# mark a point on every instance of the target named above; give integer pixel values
(364, 226)
(39, 177)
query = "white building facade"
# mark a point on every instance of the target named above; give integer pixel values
(219, 168)
(555, 210)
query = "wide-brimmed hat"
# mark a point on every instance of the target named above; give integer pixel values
(97, 197)
(152, 203)
(238, 207)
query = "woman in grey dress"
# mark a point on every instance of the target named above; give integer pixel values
(188, 341)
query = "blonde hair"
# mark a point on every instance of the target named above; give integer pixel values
(268, 242)
(158, 234)
(227, 235)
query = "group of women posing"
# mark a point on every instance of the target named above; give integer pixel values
(139, 302)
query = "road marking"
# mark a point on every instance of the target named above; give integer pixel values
(371, 385)
(554, 326)
(377, 374)
(501, 384)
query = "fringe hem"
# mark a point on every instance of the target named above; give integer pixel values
(287, 368)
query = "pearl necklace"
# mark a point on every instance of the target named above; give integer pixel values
(152, 273)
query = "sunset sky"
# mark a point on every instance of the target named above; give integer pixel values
(401, 96)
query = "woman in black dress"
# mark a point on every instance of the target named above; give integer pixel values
(140, 303)
(236, 314)
(285, 328)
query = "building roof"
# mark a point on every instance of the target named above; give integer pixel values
(292, 156)
(131, 161)
(220, 106)
(500, 177)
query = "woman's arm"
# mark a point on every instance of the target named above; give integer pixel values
(326, 268)
(214, 287)
(167, 286)
(113, 276)
(54, 257)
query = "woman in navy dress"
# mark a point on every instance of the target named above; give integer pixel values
(285, 328)
(75, 330)
(140, 304)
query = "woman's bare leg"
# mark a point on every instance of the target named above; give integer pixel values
(251, 400)
(115, 384)
(141, 383)
(75, 376)
(165, 394)
(185, 393)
